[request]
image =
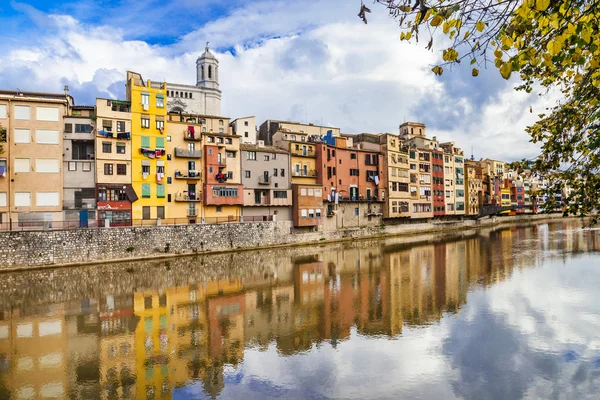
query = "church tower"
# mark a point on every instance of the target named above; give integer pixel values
(207, 70)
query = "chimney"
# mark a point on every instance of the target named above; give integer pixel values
(66, 90)
(260, 143)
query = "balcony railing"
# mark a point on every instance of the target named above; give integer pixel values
(185, 153)
(197, 197)
(264, 180)
(192, 136)
(223, 163)
(188, 175)
(311, 173)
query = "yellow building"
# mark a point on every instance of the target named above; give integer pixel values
(397, 176)
(148, 159)
(506, 197)
(303, 153)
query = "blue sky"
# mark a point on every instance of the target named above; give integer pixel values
(279, 60)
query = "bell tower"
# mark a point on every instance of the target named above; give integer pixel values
(207, 70)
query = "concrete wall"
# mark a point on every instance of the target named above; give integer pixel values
(83, 246)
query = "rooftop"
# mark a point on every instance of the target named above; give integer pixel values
(266, 149)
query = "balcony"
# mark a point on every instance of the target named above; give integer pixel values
(186, 197)
(185, 153)
(192, 136)
(223, 163)
(309, 174)
(264, 180)
(188, 175)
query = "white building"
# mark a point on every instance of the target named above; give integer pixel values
(245, 128)
(205, 97)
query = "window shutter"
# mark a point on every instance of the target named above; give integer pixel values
(160, 142)
(68, 128)
(145, 190)
(146, 142)
(160, 191)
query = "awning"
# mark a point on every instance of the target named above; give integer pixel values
(131, 195)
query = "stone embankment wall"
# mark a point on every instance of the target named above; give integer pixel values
(85, 246)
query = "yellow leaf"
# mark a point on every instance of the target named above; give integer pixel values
(402, 35)
(507, 41)
(480, 26)
(585, 35)
(408, 35)
(436, 21)
(446, 27)
(542, 5)
(473, 61)
(438, 70)
(554, 47)
(467, 34)
(475, 72)
(506, 70)
(498, 53)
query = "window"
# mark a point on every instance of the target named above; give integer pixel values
(160, 143)
(245, 134)
(3, 199)
(111, 194)
(356, 212)
(2, 111)
(160, 191)
(47, 165)
(160, 101)
(220, 122)
(47, 113)
(274, 171)
(106, 147)
(228, 141)
(145, 167)
(160, 124)
(45, 136)
(160, 213)
(247, 174)
(145, 190)
(120, 148)
(251, 155)
(86, 166)
(120, 126)
(22, 165)
(22, 136)
(229, 175)
(266, 158)
(22, 113)
(282, 172)
(108, 169)
(224, 191)
(230, 154)
(47, 199)
(72, 166)
(146, 123)
(146, 215)
(402, 187)
(279, 194)
(221, 130)
(311, 213)
(146, 100)
(303, 213)
(145, 142)
(245, 123)
(68, 128)
(219, 209)
(22, 199)
(107, 125)
(82, 128)
(121, 169)
(353, 172)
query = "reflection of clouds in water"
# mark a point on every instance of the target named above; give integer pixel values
(532, 336)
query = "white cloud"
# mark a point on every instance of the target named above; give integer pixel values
(309, 60)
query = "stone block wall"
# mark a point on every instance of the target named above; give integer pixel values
(81, 246)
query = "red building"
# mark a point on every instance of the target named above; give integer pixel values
(437, 167)
(517, 196)
(218, 191)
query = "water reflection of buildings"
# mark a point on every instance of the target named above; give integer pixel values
(149, 343)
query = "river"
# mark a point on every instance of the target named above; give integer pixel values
(503, 313)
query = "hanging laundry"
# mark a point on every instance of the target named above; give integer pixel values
(158, 177)
(3, 171)
(144, 175)
(376, 179)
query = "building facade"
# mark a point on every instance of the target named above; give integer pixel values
(396, 173)
(474, 187)
(245, 128)
(437, 180)
(267, 183)
(148, 147)
(79, 167)
(113, 162)
(269, 128)
(31, 173)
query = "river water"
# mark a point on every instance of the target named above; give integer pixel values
(492, 314)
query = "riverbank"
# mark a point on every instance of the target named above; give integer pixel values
(34, 250)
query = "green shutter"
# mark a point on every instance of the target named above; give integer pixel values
(160, 190)
(160, 142)
(145, 190)
(145, 142)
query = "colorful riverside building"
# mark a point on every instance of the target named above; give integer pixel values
(31, 177)
(474, 187)
(148, 159)
(396, 172)
(113, 162)
(205, 169)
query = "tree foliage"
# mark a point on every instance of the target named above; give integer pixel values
(549, 44)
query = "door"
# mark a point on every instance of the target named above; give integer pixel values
(83, 219)
(191, 168)
(266, 176)
(192, 192)
(257, 197)
(353, 193)
(219, 158)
